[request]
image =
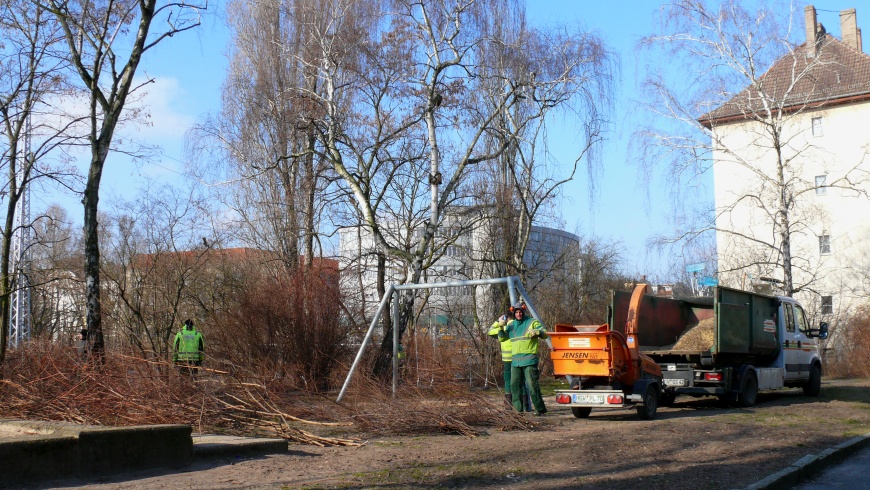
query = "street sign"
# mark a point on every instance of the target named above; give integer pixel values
(708, 281)
(695, 267)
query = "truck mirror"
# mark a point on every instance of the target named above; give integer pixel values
(823, 330)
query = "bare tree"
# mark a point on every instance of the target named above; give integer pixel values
(417, 70)
(31, 78)
(262, 141)
(57, 306)
(158, 250)
(575, 79)
(750, 124)
(96, 34)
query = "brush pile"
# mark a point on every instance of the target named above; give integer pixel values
(44, 381)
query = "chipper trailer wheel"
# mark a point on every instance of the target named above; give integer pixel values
(650, 403)
(581, 412)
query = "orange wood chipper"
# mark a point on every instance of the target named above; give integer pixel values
(605, 368)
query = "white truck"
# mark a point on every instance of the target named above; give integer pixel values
(758, 342)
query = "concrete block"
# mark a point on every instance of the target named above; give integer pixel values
(216, 446)
(111, 450)
(809, 465)
(28, 459)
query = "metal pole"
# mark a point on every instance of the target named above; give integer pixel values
(531, 307)
(395, 344)
(365, 341)
(470, 282)
(512, 282)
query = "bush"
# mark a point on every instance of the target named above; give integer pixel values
(847, 353)
(286, 329)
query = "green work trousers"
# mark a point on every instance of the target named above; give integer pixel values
(507, 377)
(507, 387)
(528, 376)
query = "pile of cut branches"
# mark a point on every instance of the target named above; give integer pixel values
(445, 408)
(44, 381)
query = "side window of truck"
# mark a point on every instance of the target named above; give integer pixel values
(789, 317)
(800, 319)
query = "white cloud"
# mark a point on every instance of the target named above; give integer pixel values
(164, 125)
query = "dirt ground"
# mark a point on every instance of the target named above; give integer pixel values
(696, 444)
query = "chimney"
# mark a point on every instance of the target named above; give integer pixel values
(810, 22)
(849, 29)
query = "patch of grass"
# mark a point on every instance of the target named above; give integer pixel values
(550, 385)
(748, 417)
(421, 473)
(859, 394)
(387, 443)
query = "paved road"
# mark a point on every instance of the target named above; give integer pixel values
(851, 473)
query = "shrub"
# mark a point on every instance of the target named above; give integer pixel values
(285, 329)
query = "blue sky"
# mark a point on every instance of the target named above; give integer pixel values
(189, 68)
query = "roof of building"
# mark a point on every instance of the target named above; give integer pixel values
(239, 254)
(837, 74)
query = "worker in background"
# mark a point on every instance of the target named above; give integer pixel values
(506, 355)
(524, 332)
(187, 350)
(82, 346)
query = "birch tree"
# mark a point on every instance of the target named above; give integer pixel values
(416, 69)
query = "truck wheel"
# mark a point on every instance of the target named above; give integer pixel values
(667, 399)
(748, 390)
(581, 412)
(814, 385)
(650, 403)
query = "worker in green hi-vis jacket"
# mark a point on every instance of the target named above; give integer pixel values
(523, 333)
(506, 357)
(188, 350)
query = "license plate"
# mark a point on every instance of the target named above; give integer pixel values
(596, 399)
(675, 382)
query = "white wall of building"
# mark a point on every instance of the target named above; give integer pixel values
(836, 149)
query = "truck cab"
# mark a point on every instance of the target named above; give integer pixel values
(800, 344)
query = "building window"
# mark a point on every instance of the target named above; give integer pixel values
(817, 126)
(824, 244)
(821, 188)
(827, 305)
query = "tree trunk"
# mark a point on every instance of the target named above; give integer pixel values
(5, 285)
(310, 194)
(95, 346)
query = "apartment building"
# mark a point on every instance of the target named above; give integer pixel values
(817, 170)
